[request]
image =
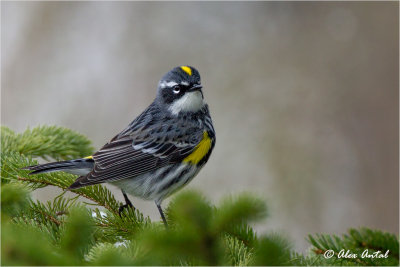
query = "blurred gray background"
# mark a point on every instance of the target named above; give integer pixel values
(304, 96)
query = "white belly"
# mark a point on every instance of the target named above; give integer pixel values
(159, 184)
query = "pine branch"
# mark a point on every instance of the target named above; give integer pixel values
(19, 148)
(14, 199)
(97, 193)
(11, 171)
(46, 142)
(374, 239)
(12, 162)
(107, 254)
(48, 228)
(356, 242)
(52, 210)
(234, 211)
(115, 228)
(237, 253)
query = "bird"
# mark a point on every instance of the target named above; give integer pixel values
(159, 152)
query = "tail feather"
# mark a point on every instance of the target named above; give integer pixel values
(71, 166)
(49, 167)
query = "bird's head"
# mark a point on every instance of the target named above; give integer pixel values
(179, 90)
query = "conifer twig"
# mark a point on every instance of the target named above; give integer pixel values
(51, 218)
(80, 193)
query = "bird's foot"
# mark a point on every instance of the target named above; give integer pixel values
(126, 206)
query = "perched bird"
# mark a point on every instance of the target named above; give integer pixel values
(159, 152)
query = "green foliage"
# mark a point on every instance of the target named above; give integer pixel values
(14, 198)
(67, 232)
(358, 241)
(199, 233)
(77, 236)
(28, 245)
(46, 142)
(237, 253)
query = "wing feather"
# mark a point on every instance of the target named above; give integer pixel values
(139, 152)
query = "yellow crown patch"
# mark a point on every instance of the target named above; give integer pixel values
(187, 70)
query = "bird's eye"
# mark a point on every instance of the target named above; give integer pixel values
(176, 89)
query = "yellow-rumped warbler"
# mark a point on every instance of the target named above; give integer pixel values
(159, 152)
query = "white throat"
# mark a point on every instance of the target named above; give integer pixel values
(190, 102)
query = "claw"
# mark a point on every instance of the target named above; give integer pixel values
(126, 206)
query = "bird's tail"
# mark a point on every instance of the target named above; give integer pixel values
(77, 166)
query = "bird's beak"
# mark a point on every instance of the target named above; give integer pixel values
(196, 87)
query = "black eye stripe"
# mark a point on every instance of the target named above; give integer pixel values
(181, 87)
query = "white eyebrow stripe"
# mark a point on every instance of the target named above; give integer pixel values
(168, 84)
(185, 83)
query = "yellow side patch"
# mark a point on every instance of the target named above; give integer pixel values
(200, 151)
(187, 70)
(89, 157)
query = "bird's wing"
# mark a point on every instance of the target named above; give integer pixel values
(142, 151)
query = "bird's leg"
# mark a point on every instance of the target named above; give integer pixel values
(162, 215)
(128, 203)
